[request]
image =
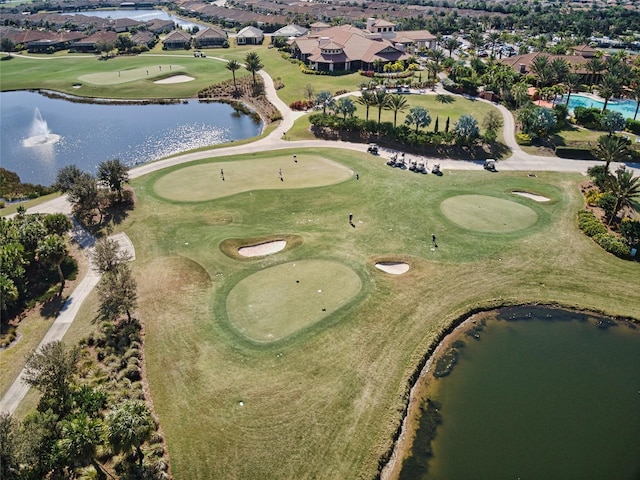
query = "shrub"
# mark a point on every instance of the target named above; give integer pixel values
(301, 105)
(588, 117)
(612, 244)
(523, 139)
(630, 230)
(592, 197)
(633, 126)
(575, 153)
(589, 224)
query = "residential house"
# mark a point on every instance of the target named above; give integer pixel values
(176, 40)
(522, 63)
(345, 48)
(250, 36)
(280, 37)
(90, 43)
(144, 38)
(210, 37)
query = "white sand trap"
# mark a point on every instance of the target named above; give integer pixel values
(262, 249)
(176, 79)
(532, 196)
(394, 268)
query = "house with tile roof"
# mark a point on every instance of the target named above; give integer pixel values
(90, 43)
(176, 40)
(210, 37)
(522, 63)
(344, 48)
(250, 36)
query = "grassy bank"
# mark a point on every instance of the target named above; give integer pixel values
(326, 400)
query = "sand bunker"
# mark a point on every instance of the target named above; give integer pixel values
(532, 196)
(262, 249)
(394, 268)
(176, 79)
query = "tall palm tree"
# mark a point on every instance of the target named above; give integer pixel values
(380, 101)
(611, 86)
(128, 427)
(611, 149)
(594, 67)
(571, 84)
(233, 65)
(397, 103)
(253, 64)
(366, 99)
(560, 68)
(635, 93)
(80, 441)
(625, 187)
(493, 38)
(541, 68)
(345, 107)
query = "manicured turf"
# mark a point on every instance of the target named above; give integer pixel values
(325, 399)
(279, 301)
(208, 180)
(132, 74)
(488, 214)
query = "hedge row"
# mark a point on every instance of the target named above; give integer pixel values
(575, 153)
(592, 227)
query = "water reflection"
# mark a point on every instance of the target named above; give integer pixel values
(88, 134)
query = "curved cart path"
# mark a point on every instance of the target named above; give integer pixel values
(519, 161)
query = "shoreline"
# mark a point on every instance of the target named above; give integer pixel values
(391, 464)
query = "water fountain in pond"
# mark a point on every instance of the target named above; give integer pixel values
(39, 133)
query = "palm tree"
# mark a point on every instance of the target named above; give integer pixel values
(52, 251)
(397, 103)
(325, 99)
(560, 68)
(541, 68)
(611, 86)
(594, 67)
(572, 83)
(493, 38)
(345, 106)
(520, 93)
(79, 442)
(380, 100)
(233, 65)
(129, 426)
(625, 187)
(635, 93)
(366, 99)
(253, 64)
(418, 116)
(611, 149)
(450, 44)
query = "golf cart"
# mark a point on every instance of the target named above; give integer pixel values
(490, 165)
(373, 149)
(436, 169)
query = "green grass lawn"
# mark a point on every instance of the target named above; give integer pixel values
(324, 395)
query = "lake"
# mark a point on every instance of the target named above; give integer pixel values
(143, 15)
(92, 133)
(541, 393)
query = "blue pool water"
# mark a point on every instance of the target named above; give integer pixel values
(626, 107)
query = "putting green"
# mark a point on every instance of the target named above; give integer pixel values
(207, 181)
(488, 214)
(279, 301)
(131, 74)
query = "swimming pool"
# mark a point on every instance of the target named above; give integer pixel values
(626, 107)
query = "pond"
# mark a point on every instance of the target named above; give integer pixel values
(534, 393)
(39, 135)
(142, 15)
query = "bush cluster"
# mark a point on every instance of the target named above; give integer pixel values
(301, 105)
(592, 227)
(633, 126)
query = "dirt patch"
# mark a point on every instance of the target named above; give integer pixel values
(394, 268)
(532, 196)
(261, 249)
